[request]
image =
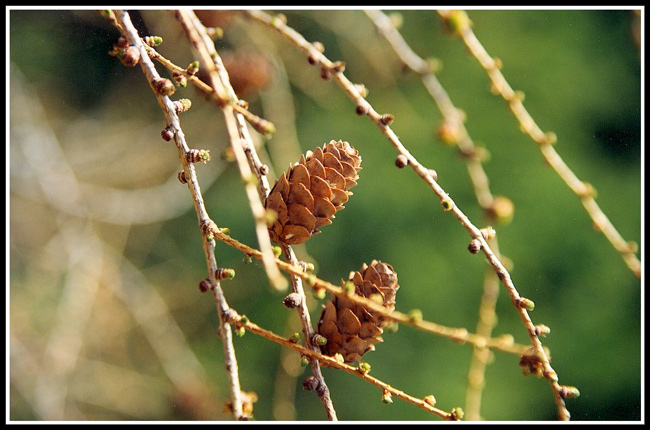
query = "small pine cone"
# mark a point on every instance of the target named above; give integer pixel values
(308, 195)
(351, 329)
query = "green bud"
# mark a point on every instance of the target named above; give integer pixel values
(415, 315)
(364, 367)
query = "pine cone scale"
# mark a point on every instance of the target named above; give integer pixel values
(350, 329)
(307, 196)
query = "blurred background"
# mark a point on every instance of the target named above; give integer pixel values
(105, 318)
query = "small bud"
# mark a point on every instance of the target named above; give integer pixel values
(457, 21)
(525, 303)
(447, 204)
(550, 138)
(449, 132)
(497, 63)
(519, 96)
(244, 319)
(193, 68)
(153, 40)
(215, 32)
(415, 315)
(363, 91)
(308, 267)
(361, 110)
(310, 384)
(433, 174)
(163, 86)
(240, 331)
(339, 358)
(319, 340)
(396, 20)
(277, 251)
(488, 233)
(198, 156)
(338, 66)
(181, 177)
(387, 397)
(364, 367)
(278, 20)
(321, 390)
(567, 392)
(319, 293)
(182, 105)
(131, 56)
(433, 65)
(225, 230)
(457, 413)
(180, 79)
(348, 288)
(401, 161)
(205, 286)
(292, 301)
(430, 400)
(501, 209)
(311, 279)
(295, 337)
(304, 361)
(387, 119)
(319, 46)
(542, 330)
(312, 59)
(225, 273)
(325, 74)
(167, 134)
(108, 14)
(474, 246)
(588, 191)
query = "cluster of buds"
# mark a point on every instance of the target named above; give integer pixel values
(129, 55)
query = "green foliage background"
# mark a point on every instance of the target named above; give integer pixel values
(580, 71)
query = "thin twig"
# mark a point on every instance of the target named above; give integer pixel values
(239, 139)
(545, 141)
(123, 22)
(454, 119)
(244, 322)
(262, 125)
(503, 343)
(335, 72)
(249, 162)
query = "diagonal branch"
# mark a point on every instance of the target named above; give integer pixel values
(123, 22)
(334, 71)
(248, 162)
(461, 26)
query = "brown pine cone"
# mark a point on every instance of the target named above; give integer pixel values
(307, 196)
(351, 329)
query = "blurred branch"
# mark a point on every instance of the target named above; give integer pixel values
(334, 70)
(460, 24)
(360, 371)
(245, 153)
(240, 139)
(461, 335)
(453, 131)
(123, 23)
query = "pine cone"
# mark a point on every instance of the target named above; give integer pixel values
(307, 196)
(351, 329)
